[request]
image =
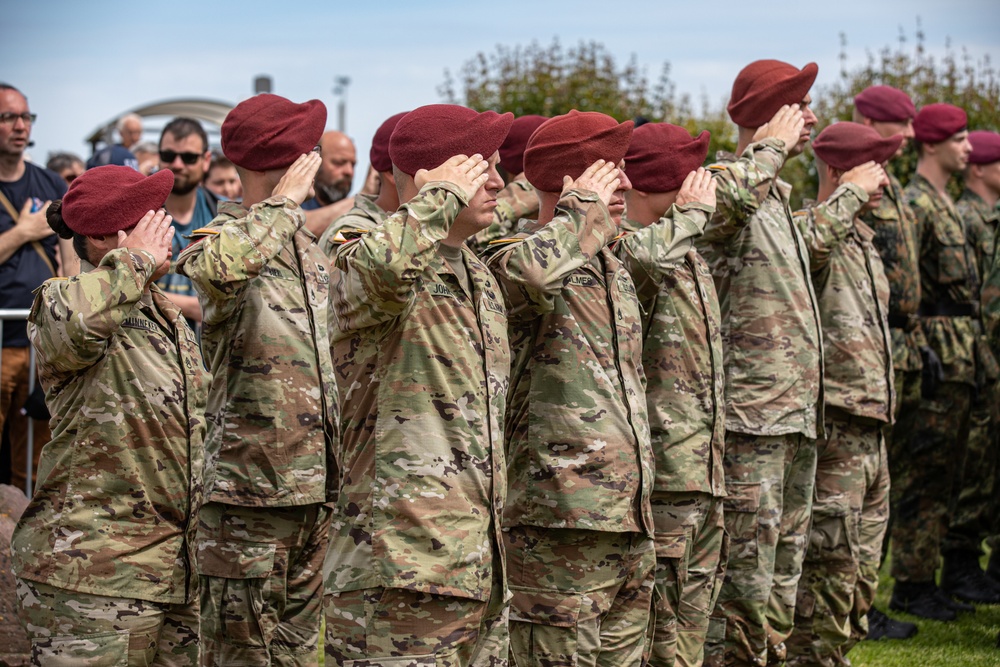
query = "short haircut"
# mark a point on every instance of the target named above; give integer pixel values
(145, 147)
(59, 161)
(181, 128)
(219, 161)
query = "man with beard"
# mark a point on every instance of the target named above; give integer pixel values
(333, 182)
(184, 151)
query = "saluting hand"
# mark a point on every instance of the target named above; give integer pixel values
(153, 234)
(699, 186)
(869, 176)
(297, 182)
(468, 173)
(786, 126)
(600, 177)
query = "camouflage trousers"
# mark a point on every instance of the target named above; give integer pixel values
(898, 438)
(581, 597)
(972, 503)
(392, 627)
(691, 553)
(261, 583)
(933, 458)
(71, 629)
(849, 518)
(770, 481)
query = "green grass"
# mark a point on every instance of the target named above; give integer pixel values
(969, 641)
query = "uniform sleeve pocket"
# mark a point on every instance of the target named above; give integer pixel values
(742, 506)
(235, 560)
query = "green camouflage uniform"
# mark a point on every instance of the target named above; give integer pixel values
(682, 359)
(422, 364)
(364, 216)
(774, 379)
(851, 506)
(516, 201)
(264, 287)
(578, 521)
(948, 279)
(897, 238)
(104, 551)
(973, 517)
(774, 371)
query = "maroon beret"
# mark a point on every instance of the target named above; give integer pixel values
(845, 145)
(378, 156)
(885, 104)
(661, 156)
(512, 150)
(985, 147)
(937, 122)
(427, 136)
(764, 86)
(270, 132)
(566, 145)
(105, 200)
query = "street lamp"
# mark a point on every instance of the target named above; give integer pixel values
(340, 90)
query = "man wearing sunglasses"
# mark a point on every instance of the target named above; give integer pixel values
(184, 151)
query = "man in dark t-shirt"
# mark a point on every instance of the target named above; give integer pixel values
(28, 257)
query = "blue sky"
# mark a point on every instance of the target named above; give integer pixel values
(83, 63)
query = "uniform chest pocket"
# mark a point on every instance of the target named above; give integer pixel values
(952, 260)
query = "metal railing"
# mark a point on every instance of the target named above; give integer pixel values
(13, 314)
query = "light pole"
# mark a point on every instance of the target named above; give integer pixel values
(340, 90)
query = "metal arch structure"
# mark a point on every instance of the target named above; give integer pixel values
(210, 111)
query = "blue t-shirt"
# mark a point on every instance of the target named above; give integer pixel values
(26, 270)
(116, 154)
(311, 204)
(204, 211)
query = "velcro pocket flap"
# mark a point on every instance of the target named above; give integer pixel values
(743, 497)
(551, 608)
(235, 560)
(671, 545)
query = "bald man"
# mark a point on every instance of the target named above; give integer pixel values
(333, 182)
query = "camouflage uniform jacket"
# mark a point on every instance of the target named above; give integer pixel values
(681, 351)
(517, 200)
(264, 287)
(364, 216)
(770, 321)
(897, 238)
(981, 223)
(949, 275)
(577, 432)
(423, 369)
(853, 296)
(119, 485)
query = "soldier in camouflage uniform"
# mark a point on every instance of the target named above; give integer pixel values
(682, 358)
(975, 512)
(415, 569)
(578, 524)
(517, 200)
(890, 112)
(368, 211)
(949, 279)
(851, 505)
(104, 552)
(264, 289)
(773, 363)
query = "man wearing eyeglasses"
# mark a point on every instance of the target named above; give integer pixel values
(184, 151)
(28, 257)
